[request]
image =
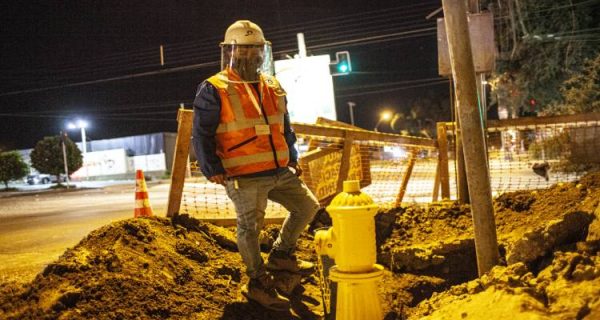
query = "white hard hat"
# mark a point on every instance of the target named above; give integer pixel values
(244, 32)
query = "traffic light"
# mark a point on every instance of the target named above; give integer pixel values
(342, 64)
(531, 108)
(532, 102)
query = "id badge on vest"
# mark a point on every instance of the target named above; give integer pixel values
(262, 129)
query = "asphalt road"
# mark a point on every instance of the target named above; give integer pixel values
(37, 227)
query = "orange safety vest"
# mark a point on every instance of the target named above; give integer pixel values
(250, 137)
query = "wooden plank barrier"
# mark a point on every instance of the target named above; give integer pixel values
(180, 160)
(409, 169)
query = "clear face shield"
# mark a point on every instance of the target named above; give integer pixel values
(247, 61)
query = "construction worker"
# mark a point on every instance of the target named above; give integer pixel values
(243, 141)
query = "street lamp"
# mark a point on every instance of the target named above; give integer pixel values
(384, 116)
(81, 124)
(351, 106)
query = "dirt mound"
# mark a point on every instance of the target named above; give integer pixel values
(569, 288)
(423, 224)
(149, 268)
(434, 244)
(156, 268)
(517, 201)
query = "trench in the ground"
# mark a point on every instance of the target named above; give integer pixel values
(459, 266)
(569, 244)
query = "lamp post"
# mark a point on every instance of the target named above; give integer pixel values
(63, 135)
(81, 124)
(351, 106)
(384, 116)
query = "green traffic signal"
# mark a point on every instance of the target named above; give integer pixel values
(343, 67)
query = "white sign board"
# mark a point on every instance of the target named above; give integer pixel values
(151, 162)
(309, 88)
(100, 163)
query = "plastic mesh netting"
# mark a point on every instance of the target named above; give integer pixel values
(520, 158)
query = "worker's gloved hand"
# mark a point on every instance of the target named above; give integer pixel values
(219, 178)
(296, 168)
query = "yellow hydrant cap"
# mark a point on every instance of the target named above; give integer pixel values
(351, 196)
(351, 186)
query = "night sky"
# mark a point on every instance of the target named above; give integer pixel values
(99, 60)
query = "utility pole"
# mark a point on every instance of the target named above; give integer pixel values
(461, 175)
(64, 151)
(478, 179)
(351, 106)
(462, 187)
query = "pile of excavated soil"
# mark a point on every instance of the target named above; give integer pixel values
(149, 268)
(569, 288)
(434, 244)
(516, 213)
(156, 268)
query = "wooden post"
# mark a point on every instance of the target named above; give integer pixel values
(345, 165)
(443, 159)
(436, 183)
(409, 169)
(463, 70)
(182, 151)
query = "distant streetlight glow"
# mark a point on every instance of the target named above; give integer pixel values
(384, 116)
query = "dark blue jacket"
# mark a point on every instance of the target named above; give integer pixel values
(207, 113)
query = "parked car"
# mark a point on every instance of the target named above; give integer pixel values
(43, 178)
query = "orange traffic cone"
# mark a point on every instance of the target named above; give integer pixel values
(142, 204)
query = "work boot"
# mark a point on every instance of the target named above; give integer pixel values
(283, 261)
(262, 290)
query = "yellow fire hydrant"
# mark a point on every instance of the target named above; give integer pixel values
(351, 243)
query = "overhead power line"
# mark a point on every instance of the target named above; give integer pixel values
(365, 21)
(387, 84)
(125, 77)
(116, 108)
(362, 93)
(150, 56)
(99, 117)
(571, 5)
(365, 40)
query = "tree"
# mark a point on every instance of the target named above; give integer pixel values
(541, 44)
(47, 156)
(581, 92)
(12, 167)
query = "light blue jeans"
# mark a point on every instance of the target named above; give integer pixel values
(249, 196)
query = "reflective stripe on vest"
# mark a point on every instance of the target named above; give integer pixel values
(245, 124)
(237, 144)
(258, 157)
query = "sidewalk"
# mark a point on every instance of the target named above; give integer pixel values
(25, 189)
